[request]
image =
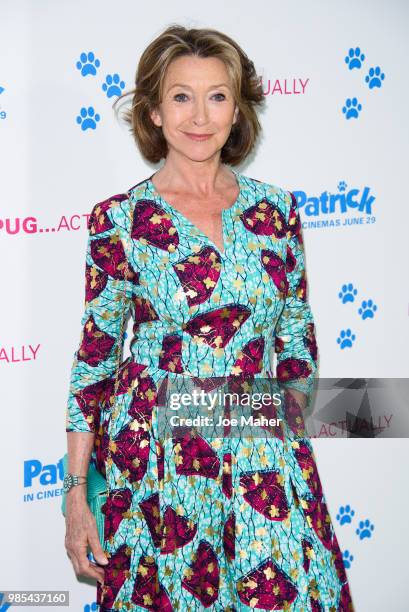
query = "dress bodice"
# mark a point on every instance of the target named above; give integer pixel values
(195, 310)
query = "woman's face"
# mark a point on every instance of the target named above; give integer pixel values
(197, 99)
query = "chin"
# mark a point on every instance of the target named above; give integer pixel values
(197, 153)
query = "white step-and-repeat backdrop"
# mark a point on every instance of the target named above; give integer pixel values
(335, 132)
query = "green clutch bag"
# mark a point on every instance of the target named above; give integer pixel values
(96, 495)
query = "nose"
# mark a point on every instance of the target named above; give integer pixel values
(200, 113)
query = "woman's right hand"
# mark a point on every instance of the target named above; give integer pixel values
(81, 531)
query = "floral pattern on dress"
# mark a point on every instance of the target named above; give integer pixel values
(195, 523)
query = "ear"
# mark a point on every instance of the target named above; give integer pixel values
(236, 114)
(156, 118)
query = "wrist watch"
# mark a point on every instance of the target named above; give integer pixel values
(71, 480)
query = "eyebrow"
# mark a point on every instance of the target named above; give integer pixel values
(188, 86)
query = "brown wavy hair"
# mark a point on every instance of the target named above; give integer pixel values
(176, 41)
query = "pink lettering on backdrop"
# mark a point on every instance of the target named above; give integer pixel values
(285, 87)
(16, 354)
(31, 225)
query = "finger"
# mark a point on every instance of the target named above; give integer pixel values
(92, 571)
(100, 570)
(75, 565)
(73, 560)
(86, 568)
(96, 548)
(93, 561)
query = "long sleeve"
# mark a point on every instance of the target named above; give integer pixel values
(295, 343)
(107, 300)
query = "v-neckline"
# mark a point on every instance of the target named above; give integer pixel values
(178, 214)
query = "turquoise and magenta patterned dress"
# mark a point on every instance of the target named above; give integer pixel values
(194, 522)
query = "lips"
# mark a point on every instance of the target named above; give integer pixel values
(198, 136)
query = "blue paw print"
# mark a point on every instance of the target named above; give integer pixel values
(113, 85)
(345, 514)
(88, 63)
(352, 108)
(374, 77)
(88, 118)
(354, 58)
(347, 293)
(347, 558)
(346, 338)
(367, 309)
(91, 608)
(342, 185)
(365, 529)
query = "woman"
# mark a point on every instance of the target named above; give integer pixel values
(210, 264)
